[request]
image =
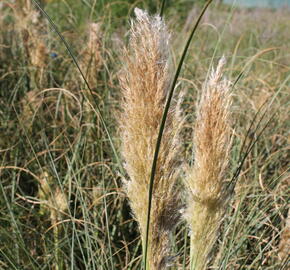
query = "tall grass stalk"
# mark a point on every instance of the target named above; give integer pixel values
(54, 202)
(91, 61)
(145, 83)
(33, 40)
(206, 179)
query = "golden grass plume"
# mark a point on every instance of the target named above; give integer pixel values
(91, 61)
(31, 28)
(54, 200)
(205, 180)
(284, 243)
(55, 203)
(145, 83)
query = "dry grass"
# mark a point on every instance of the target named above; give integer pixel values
(284, 245)
(53, 202)
(205, 180)
(145, 84)
(91, 56)
(49, 123)
(30, 26)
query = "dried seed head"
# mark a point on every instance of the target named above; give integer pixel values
(45, 186)
(60, 200)
(145, 80)
(284, 245)
(91, 60)
(206, 179)
(39, 55)
(57, 205)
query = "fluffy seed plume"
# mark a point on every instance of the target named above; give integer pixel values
(30, 26)
(284, 245)
(91, 56)
(206, 179)
(145, 83)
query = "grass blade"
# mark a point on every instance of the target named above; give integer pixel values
(162, 124)
(98, 110)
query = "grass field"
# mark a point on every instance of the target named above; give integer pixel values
(63, 201)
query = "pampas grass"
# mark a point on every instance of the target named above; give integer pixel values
(30, 26)
(53, 202)
(206, 179)
(284, 245)
(61, 202)
(145, 83)
(91, 61)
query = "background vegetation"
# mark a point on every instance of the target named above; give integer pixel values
(61, 200)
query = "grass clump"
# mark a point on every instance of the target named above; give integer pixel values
(62, 203)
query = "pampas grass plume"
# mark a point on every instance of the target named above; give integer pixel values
(145, 83)
(206, 178)
(91, 60)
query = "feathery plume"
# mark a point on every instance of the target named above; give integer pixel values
(145, 83)
(30, 27)
(284, 244)
(206, 179)
(55, 203)
(91, 61)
